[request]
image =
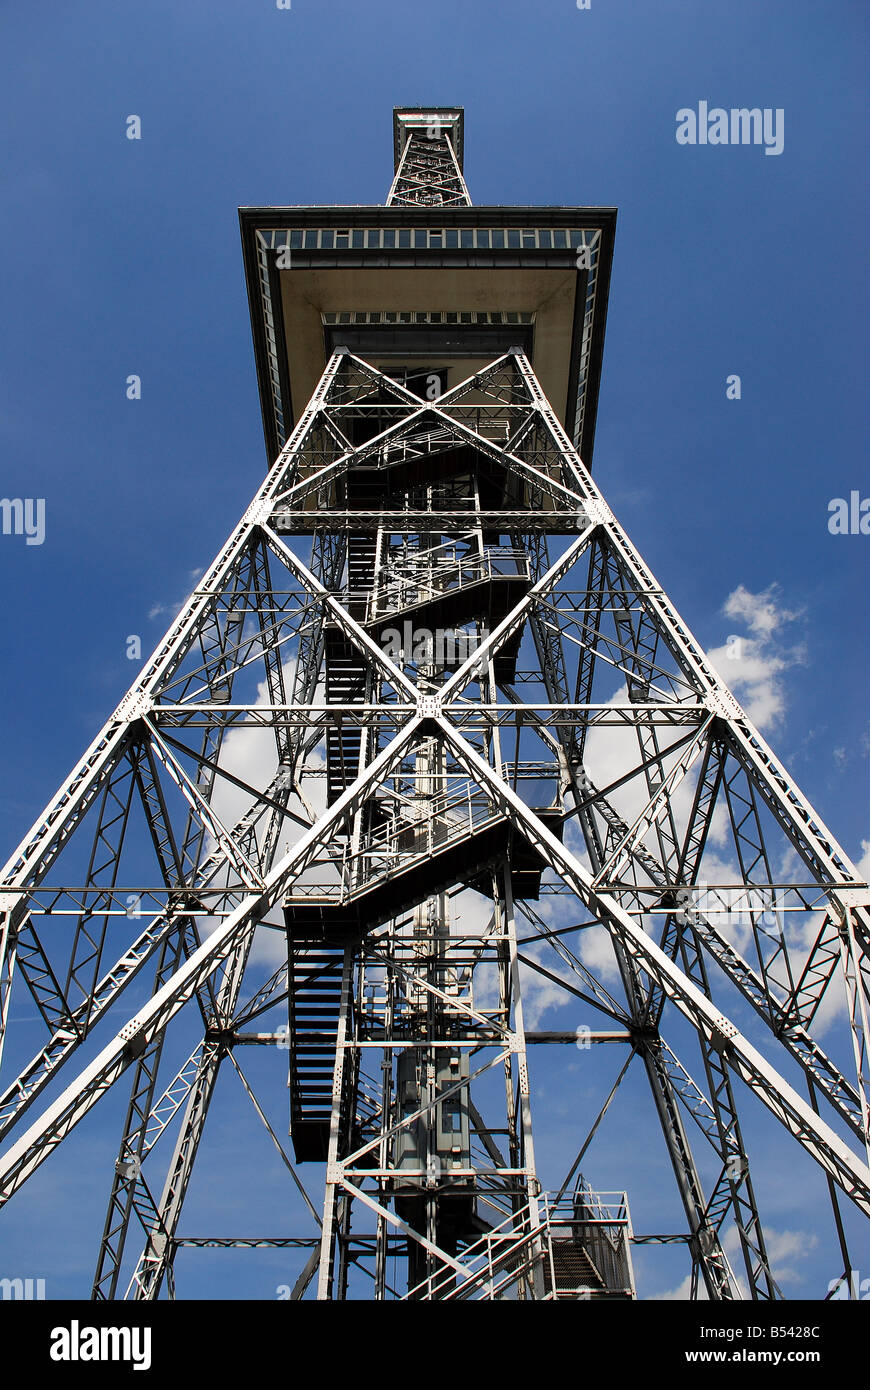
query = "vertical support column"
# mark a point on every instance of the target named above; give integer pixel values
(535, 1283)
(856, 997)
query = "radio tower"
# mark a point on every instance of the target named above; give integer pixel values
(474, 732)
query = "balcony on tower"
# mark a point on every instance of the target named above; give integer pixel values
(578, 1248)
(428, 288)
(589, 1250)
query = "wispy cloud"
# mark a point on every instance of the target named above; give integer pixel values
(170, 610)
(785, 1251)
(681, 1293)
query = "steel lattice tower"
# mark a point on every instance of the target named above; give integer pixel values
(446, 643)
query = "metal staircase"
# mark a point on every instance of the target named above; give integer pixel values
(346, 674)
(410, 854)
(314, 993)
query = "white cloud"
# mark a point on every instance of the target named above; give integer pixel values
(540, 995)
(597, 954)
(761, 612)
(613, 752)
(785, 1250)
(752, 666)
(251, 755)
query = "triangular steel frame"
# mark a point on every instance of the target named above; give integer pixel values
(640, 877)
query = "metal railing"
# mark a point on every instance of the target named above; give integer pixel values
(417, 580)
(597, 1225)
(523, 1250)
(495, 1263)
(416, 827)
(417, 830)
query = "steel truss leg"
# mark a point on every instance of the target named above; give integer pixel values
(157, 1258)
(708, 1257)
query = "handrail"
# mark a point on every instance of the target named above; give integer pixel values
(424, 825)
(406, 583)
(493, 1261)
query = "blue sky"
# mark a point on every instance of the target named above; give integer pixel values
(123, 257)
